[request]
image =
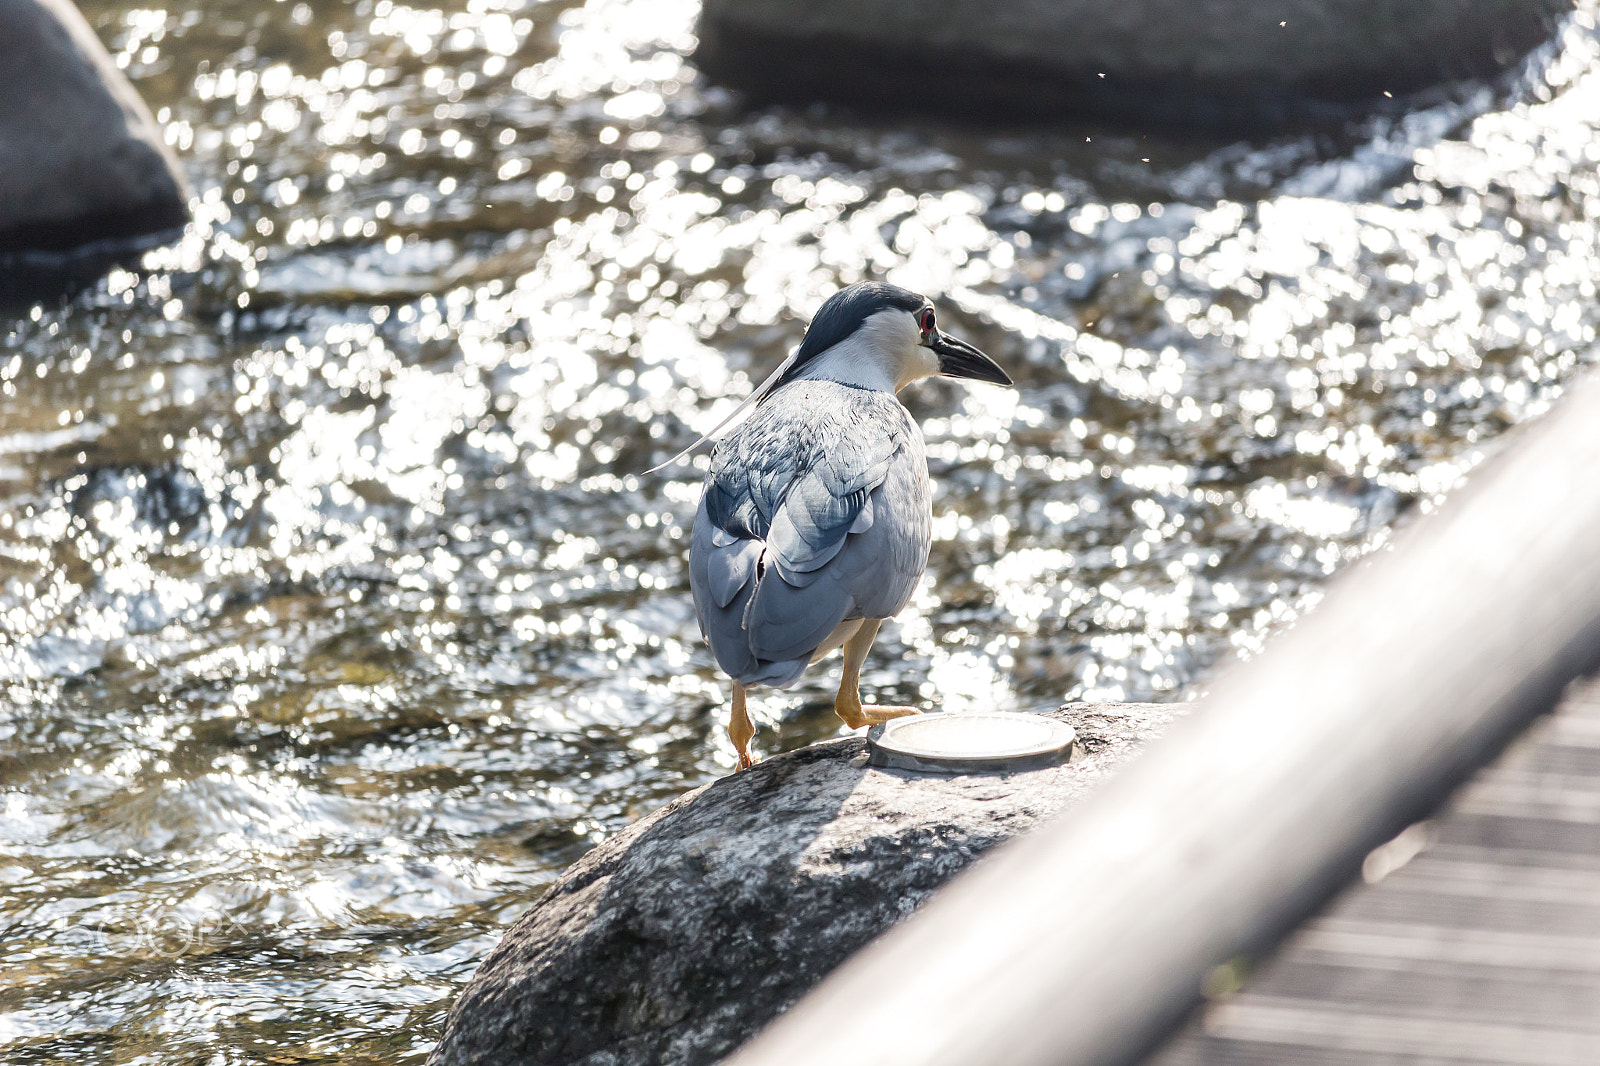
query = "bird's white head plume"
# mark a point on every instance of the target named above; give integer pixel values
(753, 399)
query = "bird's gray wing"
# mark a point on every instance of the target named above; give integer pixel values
(784, 497)
(880, 564)
(829, 501)
(800, 601)
(722, 571)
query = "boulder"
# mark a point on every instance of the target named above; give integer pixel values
(1221, 62)
(672, 943)
(81, 159)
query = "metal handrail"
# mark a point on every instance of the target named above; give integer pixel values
(1088, 942)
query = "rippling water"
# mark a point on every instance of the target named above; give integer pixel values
(336, 615)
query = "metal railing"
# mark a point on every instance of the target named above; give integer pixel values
(1088, 942)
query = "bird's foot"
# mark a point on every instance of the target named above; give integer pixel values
(874, 713)
(856, 714)
(740, 729)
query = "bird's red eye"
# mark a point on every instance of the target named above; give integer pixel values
(925, 321)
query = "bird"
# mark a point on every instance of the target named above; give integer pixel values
(815, 518)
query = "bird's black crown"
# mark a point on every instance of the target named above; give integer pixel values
(844, 311)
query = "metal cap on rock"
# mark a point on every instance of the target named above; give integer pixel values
(986, 741)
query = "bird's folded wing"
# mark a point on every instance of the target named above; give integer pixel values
(782, 499)
(728, 567)
(805, 492)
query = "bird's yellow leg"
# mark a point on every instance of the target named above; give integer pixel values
(847, 705)
(740, 729)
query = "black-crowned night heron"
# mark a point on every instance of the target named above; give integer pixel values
(816, 516)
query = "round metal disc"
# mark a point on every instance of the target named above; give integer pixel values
(966, 743)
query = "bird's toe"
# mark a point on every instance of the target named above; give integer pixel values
(875, 714)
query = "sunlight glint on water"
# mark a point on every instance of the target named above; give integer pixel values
(337, 616)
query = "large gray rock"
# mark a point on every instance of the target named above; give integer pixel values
(675, 941)
(1218, 61)
(81, 159)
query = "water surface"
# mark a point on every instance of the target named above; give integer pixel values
(337, 614)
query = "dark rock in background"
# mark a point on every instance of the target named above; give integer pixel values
(672, 943)
(81, 159)
(1166, 62)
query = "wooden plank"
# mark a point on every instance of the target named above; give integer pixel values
(1484, 948)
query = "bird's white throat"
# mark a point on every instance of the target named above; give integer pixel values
(884, 353)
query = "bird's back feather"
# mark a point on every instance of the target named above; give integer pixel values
(815, 511)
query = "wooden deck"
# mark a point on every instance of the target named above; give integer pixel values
(1481, 947)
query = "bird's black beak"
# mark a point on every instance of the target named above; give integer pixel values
(958, 359)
